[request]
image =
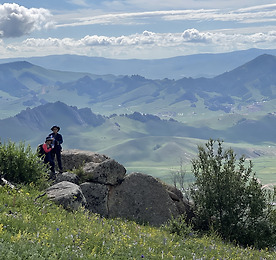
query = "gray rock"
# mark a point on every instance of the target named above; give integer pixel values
(67, 176)
(108, 172)
(4, 182)
(67, 194)
(141, 198)
(177, 197)
(176, 193)
(96, 197)
(74, 159)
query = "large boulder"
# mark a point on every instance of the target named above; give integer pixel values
(142, 198)
(74, 159)
(96, 196)
(108, 172)
(67, 194)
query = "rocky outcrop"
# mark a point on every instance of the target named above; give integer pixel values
(67, 194)
(107, 190)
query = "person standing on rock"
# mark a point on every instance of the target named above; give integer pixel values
(48, 147)
(57, 141)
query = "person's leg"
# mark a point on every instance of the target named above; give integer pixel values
(58, 153)
(53, 153)
(52, 165)
(50, 162)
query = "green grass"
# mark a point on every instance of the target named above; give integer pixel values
(38, 229)
(265, 168)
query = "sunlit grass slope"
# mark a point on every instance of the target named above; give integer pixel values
(35, 228)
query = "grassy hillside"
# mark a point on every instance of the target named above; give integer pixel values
(35, 228)
(146, 143)
(145, 148)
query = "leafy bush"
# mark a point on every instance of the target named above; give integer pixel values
(180, 226)
(18, 164)
(229, 198)
(80, 173)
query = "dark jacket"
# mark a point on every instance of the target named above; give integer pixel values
(57, 140)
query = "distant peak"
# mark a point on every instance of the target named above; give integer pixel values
(265, 57)
(17, 65)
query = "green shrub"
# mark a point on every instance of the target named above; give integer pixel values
(229, 198)
(180, 226)
(80, 173)
(18, 164)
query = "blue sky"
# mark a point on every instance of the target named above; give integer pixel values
(143, 29)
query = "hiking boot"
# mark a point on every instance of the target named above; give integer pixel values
(52, 176)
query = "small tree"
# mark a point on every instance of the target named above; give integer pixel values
(228, 197)
(179, 179)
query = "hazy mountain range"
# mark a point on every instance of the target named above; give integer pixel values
(23, 84)
(197, 65)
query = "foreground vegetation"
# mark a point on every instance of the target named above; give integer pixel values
(33, 228)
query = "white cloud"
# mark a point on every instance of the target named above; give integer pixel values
(257, 7)
(190, 40)
(195, 31)
(140, 17)
(193, 35)
(16, 20)
(260, 13)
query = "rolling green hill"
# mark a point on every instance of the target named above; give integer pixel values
(141, 142)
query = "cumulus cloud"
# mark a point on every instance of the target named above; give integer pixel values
(144, 45)
(16, 20)
(193, 35)
(95, 40)
(147, 38)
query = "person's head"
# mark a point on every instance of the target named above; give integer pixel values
(49, 140)
(55, 128)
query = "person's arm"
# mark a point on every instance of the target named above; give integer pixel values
(60, 139)
(46, 149)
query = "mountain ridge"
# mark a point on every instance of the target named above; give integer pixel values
(196, 65)
(29, 85)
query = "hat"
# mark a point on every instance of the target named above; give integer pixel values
(48, 138)
(55, 126)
